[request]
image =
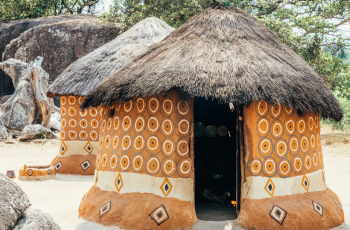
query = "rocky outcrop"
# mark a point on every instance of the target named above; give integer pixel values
(36, 219)
(13, 202)
(60, 43)
(3, 132)
(35, 131)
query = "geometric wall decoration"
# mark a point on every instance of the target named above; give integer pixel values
(166, 187)
(317, 207)
(305, 183)
(270, 187)
(85, 165)
(105, 208)
(159, 215)
(337, 203)
(278, 214)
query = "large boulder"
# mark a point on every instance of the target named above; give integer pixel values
(34, 219)
(60, 43)
(35, 131)
(3, 132)
(13, 202)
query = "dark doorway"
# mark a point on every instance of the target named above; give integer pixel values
(215, 160)
(6, 85)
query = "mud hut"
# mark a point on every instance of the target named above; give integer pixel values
(80, 129)
(218, 113)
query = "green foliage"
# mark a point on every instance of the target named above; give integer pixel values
(342, 84)
(23, 9)
(42, 135)
(344, 124)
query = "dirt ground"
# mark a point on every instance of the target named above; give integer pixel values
(60, 197)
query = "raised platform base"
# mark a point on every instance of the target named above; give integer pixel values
(75, 164)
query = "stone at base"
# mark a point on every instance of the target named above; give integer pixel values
(313, 210)
(75, 164)
(36, 219)
(136, 210)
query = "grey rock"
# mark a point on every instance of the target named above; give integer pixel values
(3, 132)
(34, 219)
(13, 202)
(33, 132)
(5, 98)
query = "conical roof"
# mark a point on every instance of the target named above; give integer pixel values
(225, 54)
(87, 72)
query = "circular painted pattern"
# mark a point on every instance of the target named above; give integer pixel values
(269, 167)
(304, 144)
(184, 167)
(72, 123)
(140, 124)
(182, 107)
(284, 168)
(308, 162)
(72, 111)
(139, 143)
(83, 112)
(124, 162)
(182, 148)
(109, 123)
(63, 111)
(281, 148)
(80, 100)
(316, 122)
(275, 111)
(71, 100)
(293, 145)
(83, 123)
(126, 142)
(310, 123)
(301, 126)
(101, 112)
(93, 112)
(83, 135)
(289, 125)
(168, 166)
(64, 123)
(63, 135)
(277, 129)
(314, 159)
(153, 143)
(103, 126)
(113, 162)
(265, 147)
(168, 147)
(167, 127)
(63, 100)
(107, 141)
(100, 143)
(288, 110)
(153, 105)
(262, 108)
(93, 135)
(118, 105)
(140, 105)
(104, 160)
(115, 141)
(167, 106)
(184, 126)
(116, 123)
(153, 165)
(297, 164)
(126, 124)
(94, 123)
(138, 162)
(263, 127)
(153, 124)
(312, 141)
(255, 166)
(127, 106)
(72, 134)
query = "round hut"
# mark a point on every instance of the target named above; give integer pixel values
(80, 129)
(218, 121)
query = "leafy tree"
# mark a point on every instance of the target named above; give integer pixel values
(23, 9)
(309, 27)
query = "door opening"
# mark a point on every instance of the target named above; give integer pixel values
(215, 160)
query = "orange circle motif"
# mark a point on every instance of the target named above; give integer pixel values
(293, 145)
(310, 123)
(167, 106)
(269, 167)
(139, 143)
(169, 166)
(184, 126)
(83, 123)
(72, 123)
(116, 123)
(126, 142)
(183, 108)
(115, 141)
(83, 135)
(265, 147)
(312, 141)
(316, 122)
(308, 162)
(127, 106)
(107, 141)
(275, 111)
(124, 162)
(297, 164)
(288, 110)
(63, 111)
(168, 146)
(182, 148)
(152, 143)
(184, 167)
(153, 165)
(281, 148)
(277, 129)
(83, 112)
(140, 105)
(109, 123)
(153, 105)
(137, 162)
(93, 135)
(284, 168)
(304, 144)
(289, 125)
(301, 126)
(71, 100)
(104, 160)
(113, 161)
(63, 134)
(63, 100)
(63, 123)
(262, 108)
(255, 167)
(126, 123)
(72, 134)
(93, 112)
(314, 159)
(263, 127)
(72, 111)
(153, 124)
(167, 127)
(94, 123)
(100, 143)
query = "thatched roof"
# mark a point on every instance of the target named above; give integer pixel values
(225, 54)
(87, 72)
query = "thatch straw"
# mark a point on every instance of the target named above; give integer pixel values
(87, 72)
(225, 54)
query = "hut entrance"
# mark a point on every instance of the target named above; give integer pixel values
(215, 160)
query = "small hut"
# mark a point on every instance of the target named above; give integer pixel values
(80, 129)
(218, 121)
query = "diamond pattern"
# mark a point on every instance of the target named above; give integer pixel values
(96, 178)
(278, 214)
(88, 147)
(30, 172)
(166, 187)
(118, 182)
(105, 208)
(85, 165)
(318, 208)
(63, 148)
(337, 203)
(58, 165)
(49, 171)
(270, 187)
(305, 183)
(159, 215)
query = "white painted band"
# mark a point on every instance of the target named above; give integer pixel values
(77, 148)
(254, 187)
(182, 188)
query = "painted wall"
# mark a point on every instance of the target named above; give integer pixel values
(79, 137)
